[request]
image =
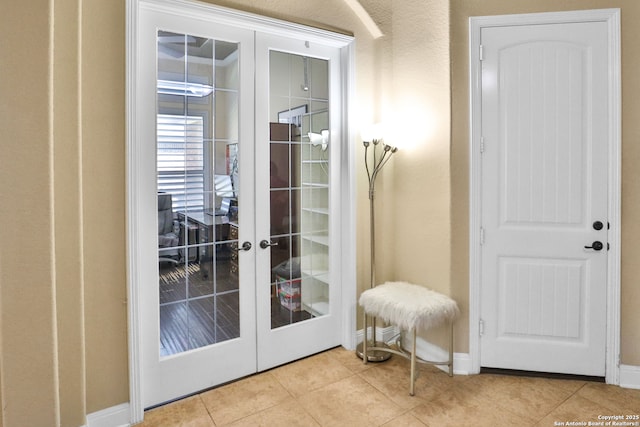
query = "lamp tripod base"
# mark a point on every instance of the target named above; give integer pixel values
(373, 355)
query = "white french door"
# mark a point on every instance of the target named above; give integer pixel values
(298, 138)
(195, 121)
(238, 170)
(545, 126)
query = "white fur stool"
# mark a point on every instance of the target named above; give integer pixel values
(410, 307)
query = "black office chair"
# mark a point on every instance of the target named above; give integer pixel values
(168, 230)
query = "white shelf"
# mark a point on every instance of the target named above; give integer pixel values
(322, 211)
(314, 229)
(317, 308)
(322, 240)
(320, 275)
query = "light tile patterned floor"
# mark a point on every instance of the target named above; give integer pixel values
(334, 388)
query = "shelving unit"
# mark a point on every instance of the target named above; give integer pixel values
(315, 217)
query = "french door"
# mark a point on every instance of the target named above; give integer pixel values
(300, 126)
(195, 119)
(237, 177)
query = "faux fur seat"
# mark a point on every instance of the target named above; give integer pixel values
(410, 307)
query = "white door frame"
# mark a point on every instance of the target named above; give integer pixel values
(612, 18)
(347, 274)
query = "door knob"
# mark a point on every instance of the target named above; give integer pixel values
(264, 244)
(245, 246)
(596, 246)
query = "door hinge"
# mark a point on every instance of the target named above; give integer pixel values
(482, 144)
(481, 328)
(481, 236)
(481, 53)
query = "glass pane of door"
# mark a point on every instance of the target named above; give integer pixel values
(299, 187)
(197, 176)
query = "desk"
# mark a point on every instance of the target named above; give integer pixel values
(211, 228)
(206, 228)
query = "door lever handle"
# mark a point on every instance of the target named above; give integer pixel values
(264, 244)
(245, 246)
(596, 246)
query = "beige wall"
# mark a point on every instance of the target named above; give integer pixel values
(421, 175)
(103, 201)
(62, 274)
(418, 109)
(461, 10)
(27, 269)
(67, 189)
(63, 313)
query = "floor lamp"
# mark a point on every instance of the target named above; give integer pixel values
(374, 161)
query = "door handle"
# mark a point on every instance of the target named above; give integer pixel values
(596, 246)
(245, 246)
(264, 244)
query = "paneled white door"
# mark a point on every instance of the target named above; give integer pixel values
(544, 197)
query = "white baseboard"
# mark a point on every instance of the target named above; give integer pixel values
(425, 350)
(116, 416)
(382, 334)
(429, 351)
(630, 376)
(462, 364)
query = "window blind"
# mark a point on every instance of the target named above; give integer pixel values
(180, 160)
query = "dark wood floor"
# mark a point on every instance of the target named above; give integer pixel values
(197, 310)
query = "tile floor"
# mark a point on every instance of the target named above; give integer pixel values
(334, 388)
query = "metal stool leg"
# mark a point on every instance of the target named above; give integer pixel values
(365, 357)
(413, 365)
(451, 349)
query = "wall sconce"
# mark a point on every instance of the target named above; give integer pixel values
(376, 154)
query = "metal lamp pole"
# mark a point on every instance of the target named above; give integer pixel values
(378, 160)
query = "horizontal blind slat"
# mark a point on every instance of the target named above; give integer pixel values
(180, 160)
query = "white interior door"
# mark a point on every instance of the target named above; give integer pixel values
(196, 156)
(240, 167)
(299, 139)
(544, 197)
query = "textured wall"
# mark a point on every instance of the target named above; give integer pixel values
(419, 113)
(103, 202)
(67, 186)
(62, 256)
(420, 110)
(28, 369)
(63, 318)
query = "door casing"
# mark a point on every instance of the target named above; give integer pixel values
(612, 18)
(347, 236)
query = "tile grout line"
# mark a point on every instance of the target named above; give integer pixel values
(388, 397)
(383, 383)
(207, 409)
(613, 410)
(269, 372)
(298, 403)
(503, 408)
(297, 398)
(575, 393)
